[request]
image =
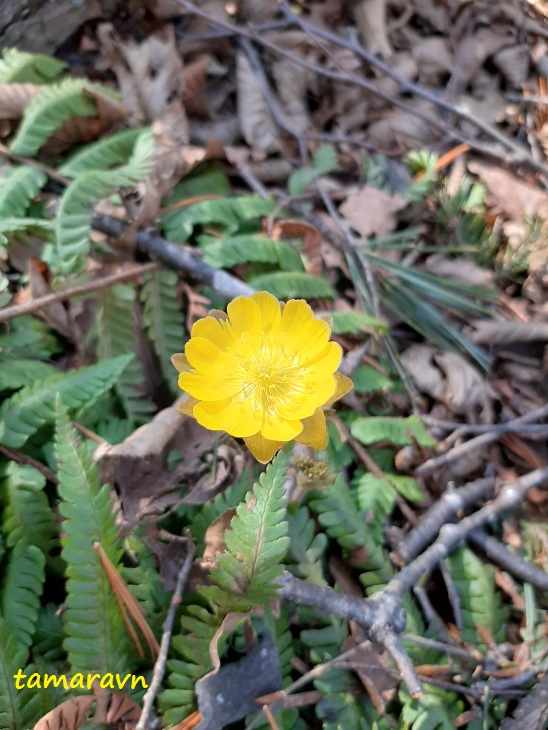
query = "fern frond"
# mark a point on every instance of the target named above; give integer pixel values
(12, 701)
(377, 495)
(399, 431)
(288, 285)
(19, 186)
(226, 213)
(480, 601)
(21, 592)
(27, 517)
(256, 545)
(73, 221)
(29, 409)
(19, 67)
(108, 152)
(198, 626)
(96, 635)
(117, 335)
(28, 337)
(163, 320)
(337, 512)
(368, 379)
(306, 547)
(325, 642)
(15, 374)
(355, 323)
(49, 635)
(232, 250)
(50, 109)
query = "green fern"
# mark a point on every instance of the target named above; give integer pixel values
(21, 592)
(198, 626)
(15, 374)
(287, 285)
(256, 545)
(480, 602)
(306, 548)
(227, 252)
(162, 319)
(436, 709)
(28, 337)
(73, 221)
(368, 379)
(18, 708)
(48, 639)
(354, 323)
(324, 160)
(96, 638)
(50, 109)
(20, 229)
(325, 640)
(377, 495)
(116, 330)
(26, 517)
(19, 186)
(226, 213)
(29, 409)
(104, 154)
(19, 67)
(399, 431)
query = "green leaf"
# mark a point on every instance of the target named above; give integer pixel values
(324, 160)
(368, 379)
(306, 548)
(479, 600)
(17, 708)
(15, 374)
(32, 407)
(226, 213)
(28, 337)
(398, 431)
(163, 320)
(96, 638)
(117, 334)
(355, 323)
(19, 67)
(19, 185)
(21, 592)
(206, 178)
(73, 222)
(104, 154)
(256, 544)
(27, 516)
(227, 252)
(288, 285)
(54, 105)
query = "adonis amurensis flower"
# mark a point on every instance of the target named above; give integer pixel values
(262, 372)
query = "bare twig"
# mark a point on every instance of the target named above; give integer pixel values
(486, 438)
(464, 429)
(514, 564)
(173, 255)
(21, 458)
(160, 664)
(91, 286)
(441, 512)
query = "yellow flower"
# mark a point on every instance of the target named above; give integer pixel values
(262, 372)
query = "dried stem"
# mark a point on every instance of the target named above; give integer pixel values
(160, 664)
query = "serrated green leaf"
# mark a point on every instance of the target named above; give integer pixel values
(104, 154)
(21, 592)
(289, 285)
(19, 185)
(20, 67)
(398, 431)
(229, 251)
(324, 160)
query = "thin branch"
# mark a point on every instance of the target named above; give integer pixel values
(514, 564)
(486, 438)
(172, 254)
(160, 664)
(441, 512)
(21, 458)
(464, 429)
(91, 286)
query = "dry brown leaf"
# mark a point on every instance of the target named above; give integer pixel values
(516, 198)
(195, 96)
(403, 130)
(257, 11)
(472, 52)
(69, 715)
(14, 98)
(467, 391)
(490, 332)
(215, 538)
(461, 269)
(370, 17)
(513, 63)
(370, 211)
(418, 360)
(310, 236)
(256, 123)
(434, 59)
(56, 316)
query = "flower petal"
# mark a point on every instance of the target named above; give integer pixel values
(262, 449)
(238, 419)
(214, 330)
(302, 332)
(314, 431)
(205, 357)
(276, 428)
(269, 306)
(315, 392)
(326, 362)
(244, 315)
(204, 387)
(343, 386)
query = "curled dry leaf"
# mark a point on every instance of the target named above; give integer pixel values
(257, 11)
(513, 63)
(370, 17)
(310, 236)
(256, 123)
(69, 715)
(403, 130)
(371, 212)
(434, 59)
(466, 391)
(15, 97)
(215, 538)
(194, 95)
(466, 270)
